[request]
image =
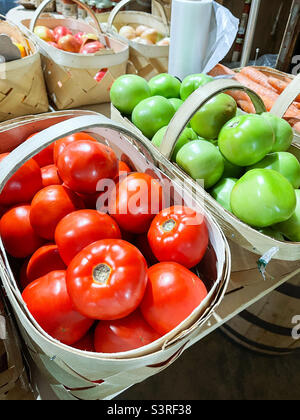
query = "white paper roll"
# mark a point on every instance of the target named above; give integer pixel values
(202, 33)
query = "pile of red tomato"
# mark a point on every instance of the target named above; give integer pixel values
(102, 282)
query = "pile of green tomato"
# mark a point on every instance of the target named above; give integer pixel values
(243, 159)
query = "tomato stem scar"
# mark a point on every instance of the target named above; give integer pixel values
(101, 273)
(168, 225)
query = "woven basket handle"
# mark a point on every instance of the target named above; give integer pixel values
(45, 3)
(123, 3)
(37, 143)
(199, 98)
(287, 97)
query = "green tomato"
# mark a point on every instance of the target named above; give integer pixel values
(186, 136)
(202, 161)
(246, 140)
(176, 103)
(283, 132)
(165, 85)
(272, 233)
(262, 198)
(152, 114)
(192, 83)
(284, 163)
(209, 120)
(221, 192)
(291, 228)
(127, 91)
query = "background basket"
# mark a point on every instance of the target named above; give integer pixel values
(167, 4)
(145, 60)
(74, 374)
(70, 78)
(22, 86)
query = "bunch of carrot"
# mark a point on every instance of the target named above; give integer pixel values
(267, 87)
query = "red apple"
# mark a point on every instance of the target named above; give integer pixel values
(61, 31)
(100, 75)
(80, 37)
(44, 33)
(69, 43)
(91, 47)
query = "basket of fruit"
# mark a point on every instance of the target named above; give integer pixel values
(13, 378)
(22, 85)
(80, 62)
(244, 165)
(159, 263)
(147, 36)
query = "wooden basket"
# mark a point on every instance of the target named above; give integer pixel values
(235, 230)
(22, 85)
(74, 374)
(70, 78)
(14, 383)
(146, 61)
(167, 4)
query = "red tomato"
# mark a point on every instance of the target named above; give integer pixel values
(48, 301)
(179, 234)
(107, 279)
(43, 261)
(17, 234)
(49, 206)
(135, 202)
(22, 186)
(61, 144)
(86, 343)
(124, 334)
(81, 228)
(50, 176)
(84, 163)
(172, 294)
(45, 157)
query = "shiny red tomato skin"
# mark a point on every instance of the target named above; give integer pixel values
(123, 289)
(84, 163)
(81, 228)
(172, 294)
(136, 201)
(123, 334)
(61, 144)
(18, 236)
(43, 261)
(123, 171)
(48, 301)
(179, 234)
(23, 185)
(50, 176)
(49, 206)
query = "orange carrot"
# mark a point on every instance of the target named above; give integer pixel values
(246, 106)
(256, 76)
(280, 86)
(269, 97)
(220, 70)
